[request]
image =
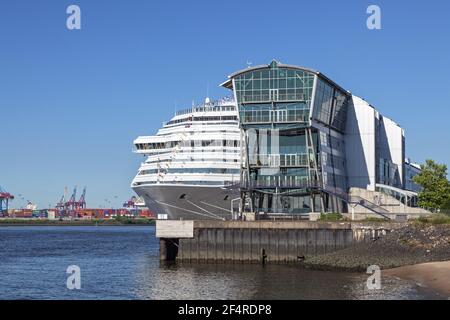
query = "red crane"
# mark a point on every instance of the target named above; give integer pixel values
(81, 204)
(62, 202)
(130, 203)
(72, 203)
(5, 197)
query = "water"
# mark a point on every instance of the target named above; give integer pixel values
(123, 263)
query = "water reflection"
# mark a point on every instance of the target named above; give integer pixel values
(123, 263)
(238, 281)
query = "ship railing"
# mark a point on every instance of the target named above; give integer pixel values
(217, 105)
(206, 109)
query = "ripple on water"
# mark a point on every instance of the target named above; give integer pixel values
(123, 263)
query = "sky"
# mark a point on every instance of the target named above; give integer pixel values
(73, 101)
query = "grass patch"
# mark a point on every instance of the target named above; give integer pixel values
(331, 217)
(373, 219)
(437, 218)
(127, 220)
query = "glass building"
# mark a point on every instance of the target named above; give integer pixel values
(308, 145)
(293, 123)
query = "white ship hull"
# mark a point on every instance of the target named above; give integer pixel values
(189, 161)
(189, 202)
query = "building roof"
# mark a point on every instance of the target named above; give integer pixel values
(229, 84)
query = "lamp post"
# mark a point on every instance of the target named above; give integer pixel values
(353, 210)
(232, 208)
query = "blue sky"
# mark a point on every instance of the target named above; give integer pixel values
(71, 102)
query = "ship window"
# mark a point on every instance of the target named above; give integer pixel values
(183, 196)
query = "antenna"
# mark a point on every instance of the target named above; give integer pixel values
(249, 63)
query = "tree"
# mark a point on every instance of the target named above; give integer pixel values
(446, 207)
(435, 192)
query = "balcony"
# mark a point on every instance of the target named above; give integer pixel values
(279, 160)
(284, 182)
(274, 116)
(264, 98)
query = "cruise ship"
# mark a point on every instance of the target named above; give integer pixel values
(192, 165)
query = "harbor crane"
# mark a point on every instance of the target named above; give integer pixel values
(130, 203)
(81, 204)
(5, 197)
(62, 202)
(72, 203)
(134, 202)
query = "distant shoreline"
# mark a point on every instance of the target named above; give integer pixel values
(6, 222)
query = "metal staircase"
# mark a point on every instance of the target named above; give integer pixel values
(357, 200)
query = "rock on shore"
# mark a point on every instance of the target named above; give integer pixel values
(413, 244)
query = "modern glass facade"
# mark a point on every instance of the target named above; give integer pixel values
(388, 173)
(292, 122)
(330, 105)
(258, 90)
(411, 170)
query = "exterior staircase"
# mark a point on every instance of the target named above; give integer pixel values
(357, 200)
(367, 202)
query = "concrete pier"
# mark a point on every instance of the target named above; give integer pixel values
(259, 241)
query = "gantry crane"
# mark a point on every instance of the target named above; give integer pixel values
(5, 197)
(81, 204)
(72, 203)
(61, 205)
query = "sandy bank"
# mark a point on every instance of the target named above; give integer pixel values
(434, 275)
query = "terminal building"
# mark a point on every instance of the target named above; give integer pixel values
(309, 145)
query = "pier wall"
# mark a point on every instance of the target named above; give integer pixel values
(263, 241)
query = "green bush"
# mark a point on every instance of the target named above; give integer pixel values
(331, 217)
(129, 220)
(440, 219)
(373, 219)
(437, 218)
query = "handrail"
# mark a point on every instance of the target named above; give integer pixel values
(276, 116)
(279, 160)
(274, 97)
(369, 205)
(291, 183)
(225, 104)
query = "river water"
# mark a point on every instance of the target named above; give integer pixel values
(123, 263)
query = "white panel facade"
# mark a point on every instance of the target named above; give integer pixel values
(360, 144)
(391, 145)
